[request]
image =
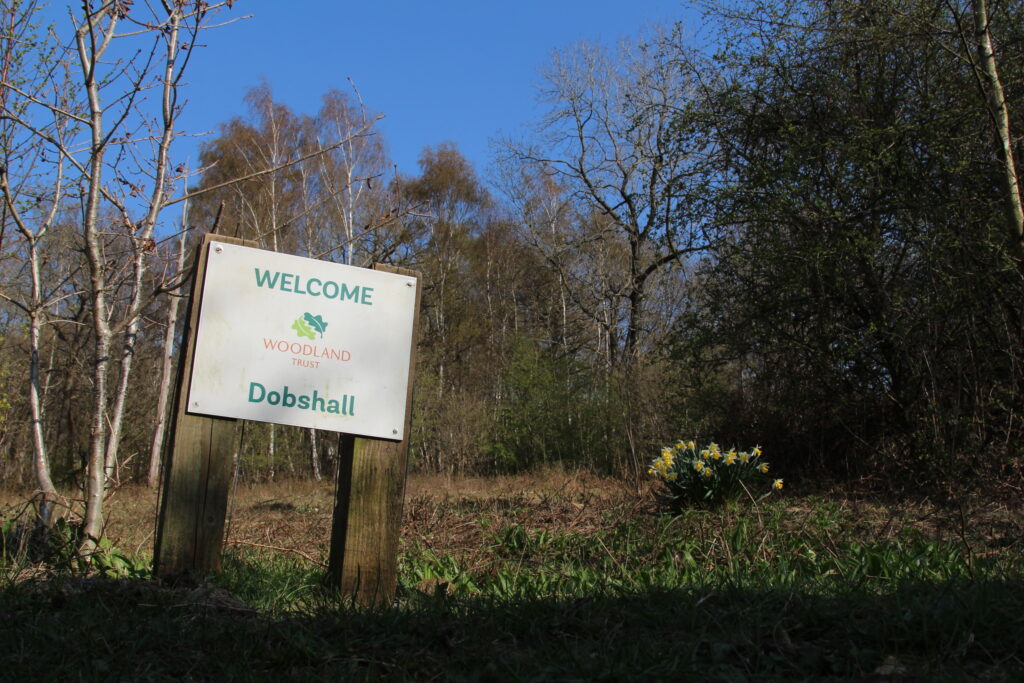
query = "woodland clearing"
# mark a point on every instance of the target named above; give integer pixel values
(556, 576)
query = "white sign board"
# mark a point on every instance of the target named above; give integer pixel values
(303, 342)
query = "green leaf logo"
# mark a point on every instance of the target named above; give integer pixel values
(302, 329)
(308, 325)
(316, 322)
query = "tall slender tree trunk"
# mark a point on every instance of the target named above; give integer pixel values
(270, 451)
(113, 441)
(167, 373)
(89, 54)
(314, 455)
(41, 460)
(288, 461)
(96, 476)
(35, 308)
(35, 393)
(1000, 113)
(140, 242)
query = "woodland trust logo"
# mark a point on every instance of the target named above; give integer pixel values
(305, 354)
(308, 325)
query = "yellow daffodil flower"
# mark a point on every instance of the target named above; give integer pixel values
(777, 485)
(763, 467)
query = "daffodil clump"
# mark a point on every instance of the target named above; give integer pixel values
(710, 475)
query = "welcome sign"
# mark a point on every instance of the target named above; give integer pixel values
(303, 342)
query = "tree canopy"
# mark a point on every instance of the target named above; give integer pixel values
(805, 234)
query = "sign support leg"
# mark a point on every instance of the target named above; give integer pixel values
(363, 559)
(197, 467)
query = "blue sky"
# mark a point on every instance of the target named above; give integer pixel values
(452, 70)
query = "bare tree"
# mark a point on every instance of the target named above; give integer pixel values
(31, 203)
(104, 123)
(615, 138)
(348, 174)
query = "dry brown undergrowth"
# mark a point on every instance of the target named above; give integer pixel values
(451, 515)
(444, 511)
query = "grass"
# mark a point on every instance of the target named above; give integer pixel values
(555, 578)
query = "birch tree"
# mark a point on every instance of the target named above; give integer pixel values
(104, 118)
(32, 195)
(351, 175)
(167, 370)
(976, 36)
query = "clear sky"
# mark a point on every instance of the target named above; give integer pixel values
(462, 71)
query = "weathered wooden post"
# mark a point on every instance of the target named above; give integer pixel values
(363, 560)
(197, 467)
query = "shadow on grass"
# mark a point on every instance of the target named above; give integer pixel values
(98, 629)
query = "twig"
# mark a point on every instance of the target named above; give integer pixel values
(278, 548)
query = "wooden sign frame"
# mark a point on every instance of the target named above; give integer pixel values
(363, 557)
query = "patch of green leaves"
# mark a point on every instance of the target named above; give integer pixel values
(759, 594)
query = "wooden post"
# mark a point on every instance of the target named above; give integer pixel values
(197, 468)
(363, 560)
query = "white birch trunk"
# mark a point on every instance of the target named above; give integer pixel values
(1000, 113)
(270, 451)
(140, 244)
(40, 458)
(167, 371)
(89, 54)
(102, 452)
(314, 455)
(120, 402)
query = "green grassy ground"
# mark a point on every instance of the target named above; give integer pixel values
(559, 584)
